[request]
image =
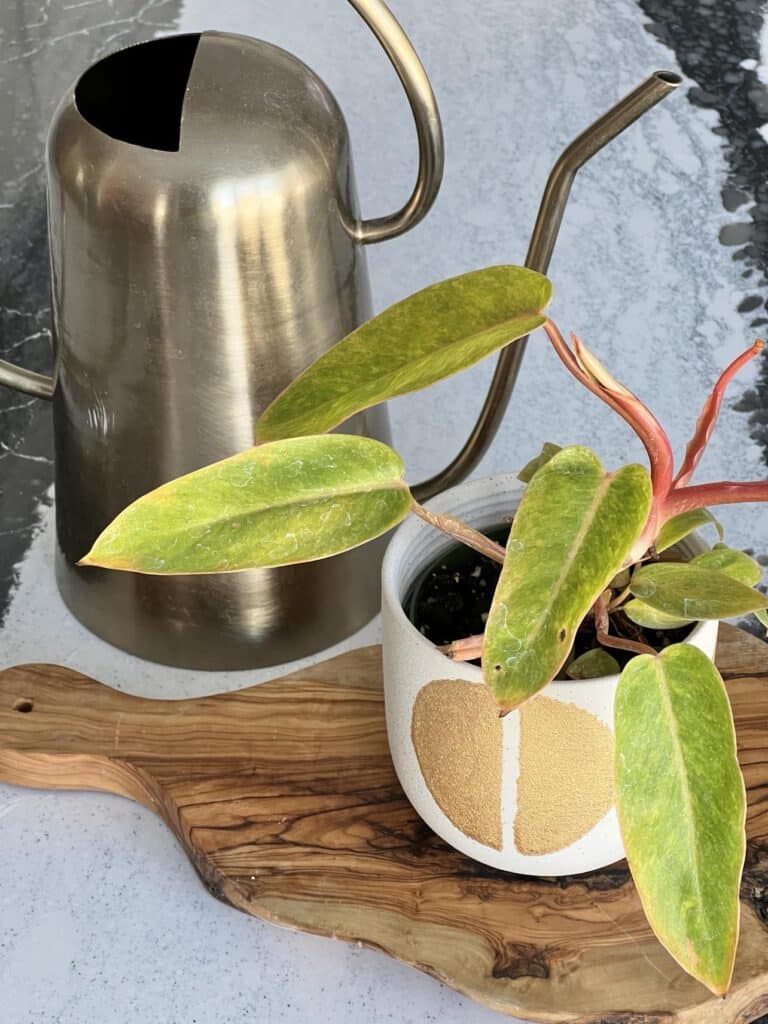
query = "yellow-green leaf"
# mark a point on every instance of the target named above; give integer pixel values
(689, 591)
(681, 805)
(548, 450)
(621, 580)
(762, 617)
(675, 529)
(571, 533)
(291, 501)
(429, 336)
(736, 564)
(651, 618)
(593, 664)
(720, 558)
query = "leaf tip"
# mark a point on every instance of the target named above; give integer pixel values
(506, 709)
(718, 986)
(505, 702)
(93, 561)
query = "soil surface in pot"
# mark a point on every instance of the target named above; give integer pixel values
(451, 599)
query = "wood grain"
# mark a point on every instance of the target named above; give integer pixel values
(285, 799)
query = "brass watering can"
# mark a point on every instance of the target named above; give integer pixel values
(206, 247)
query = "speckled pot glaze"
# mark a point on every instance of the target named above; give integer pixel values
(411, 664)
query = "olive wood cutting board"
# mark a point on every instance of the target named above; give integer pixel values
(285, 799)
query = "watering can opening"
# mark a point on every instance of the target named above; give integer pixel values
(137, 95)
(201, 187)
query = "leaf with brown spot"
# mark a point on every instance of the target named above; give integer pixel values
(571, 534)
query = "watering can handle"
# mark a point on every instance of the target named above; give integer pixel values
(30, 383)
(540, 248)
(429, 130)
(411, 72)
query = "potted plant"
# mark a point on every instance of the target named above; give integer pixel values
(602, 594)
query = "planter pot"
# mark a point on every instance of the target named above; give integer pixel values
(531, 792)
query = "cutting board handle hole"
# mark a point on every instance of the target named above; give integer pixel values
(23, 706)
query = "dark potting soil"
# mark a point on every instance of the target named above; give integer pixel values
(451, 599)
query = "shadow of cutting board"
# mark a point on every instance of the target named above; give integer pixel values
(285, 799)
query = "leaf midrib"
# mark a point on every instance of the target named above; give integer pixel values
(676, 589)
(414, 363)
(680, 762)
(343, 492)
(568, 562)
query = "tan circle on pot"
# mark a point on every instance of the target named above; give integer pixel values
(565, 781)
(457, 735)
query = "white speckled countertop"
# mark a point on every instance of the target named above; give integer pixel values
(103, 919)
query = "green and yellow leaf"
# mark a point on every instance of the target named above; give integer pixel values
(736, 564)
(425, 338)
(689, 591)
(593, 664)
(621, 580)
(650, 618)
(291, 501)
(677, 528)
(548, 450)
(570, 536)
(681, 805)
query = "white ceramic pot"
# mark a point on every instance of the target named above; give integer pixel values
(531, 792)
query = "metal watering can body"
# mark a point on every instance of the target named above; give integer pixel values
(206, 247)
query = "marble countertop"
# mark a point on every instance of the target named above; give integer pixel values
(661, 268)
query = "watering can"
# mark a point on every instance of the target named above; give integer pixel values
(206, 247)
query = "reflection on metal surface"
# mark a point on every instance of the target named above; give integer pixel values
(40, 47)
(192, 282)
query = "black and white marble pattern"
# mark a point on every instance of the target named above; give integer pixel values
(43, 46)
(662, 267)
(720, 46)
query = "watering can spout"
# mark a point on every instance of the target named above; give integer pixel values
(542, 244)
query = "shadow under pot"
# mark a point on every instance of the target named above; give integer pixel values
(531, 792)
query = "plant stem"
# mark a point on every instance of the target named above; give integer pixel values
(725, 492)
(461, 532)
(623, 402)
(619, 599)
(608, 640)
(467, 649)
(602, 625)
(709, 413)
